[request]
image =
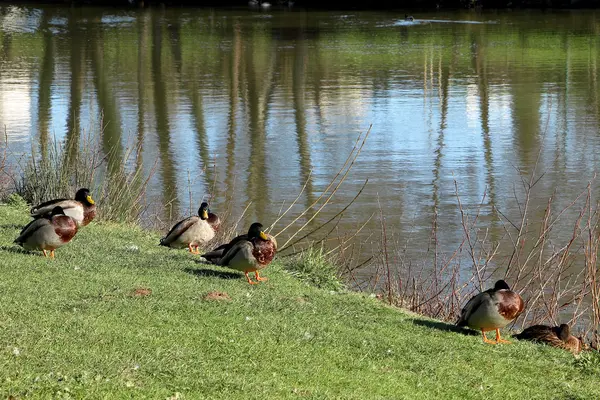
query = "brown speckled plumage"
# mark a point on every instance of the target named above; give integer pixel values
(89, 213)
(214, 221)
(264, 251)
(557, 336)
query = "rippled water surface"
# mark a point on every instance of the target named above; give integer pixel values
(262, 102)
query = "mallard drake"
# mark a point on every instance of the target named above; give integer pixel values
(193, 231)
(557, 336)
(216, 254)
(408, 17)
(48, 233)
(82, 209)
(491, 310)
(246, 253)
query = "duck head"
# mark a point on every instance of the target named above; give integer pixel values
(83, 196)
(564, 331)
(203, 211)
(58, 210)
(256, 231)
(501, 285)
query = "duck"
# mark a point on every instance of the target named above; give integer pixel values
(194, 231)
(82, 209)
(491, 310)
(48, 233)
(557, 336)
(246, 253)
(216, 254)
(408, 17)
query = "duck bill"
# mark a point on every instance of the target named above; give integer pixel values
(263, 236)
(90, 200)
(204, 214)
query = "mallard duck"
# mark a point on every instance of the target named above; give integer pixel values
(246, 253)
(491, 310)
(408, 17)
(558, 336)
(82, 209)
(216, 254)
(193, 231)
(48, 233)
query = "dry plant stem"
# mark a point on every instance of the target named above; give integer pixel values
(385, 252)
(343, 178)
(351, 159)
(281, 215)
(331, 219)
(353, 235)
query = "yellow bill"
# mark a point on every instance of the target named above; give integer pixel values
(263, 236)
(90, 200)
(204, 214)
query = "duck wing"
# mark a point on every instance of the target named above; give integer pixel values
(178, 230)
(30, 229)
(214, 255)
(239, 256)
(46, 207)
(472, 305)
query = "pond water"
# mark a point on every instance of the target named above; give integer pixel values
(261, 102)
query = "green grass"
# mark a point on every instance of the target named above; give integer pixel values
(73, 328)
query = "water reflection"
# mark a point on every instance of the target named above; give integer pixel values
(255, 104)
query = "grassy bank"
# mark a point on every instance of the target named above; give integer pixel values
(117, 316)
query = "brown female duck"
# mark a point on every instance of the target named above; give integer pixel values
(557, 336)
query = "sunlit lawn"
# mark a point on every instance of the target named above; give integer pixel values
(76, 327)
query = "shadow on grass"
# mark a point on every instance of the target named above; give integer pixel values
(11, 226)
(212, 273)
(15, 249)
(442, 326)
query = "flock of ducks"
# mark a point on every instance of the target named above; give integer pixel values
(495, 308)
(56, 222)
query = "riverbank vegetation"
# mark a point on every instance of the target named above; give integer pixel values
(556, 274)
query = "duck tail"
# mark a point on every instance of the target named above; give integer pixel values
(213, 257)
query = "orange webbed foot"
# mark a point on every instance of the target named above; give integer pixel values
(260, 278)
(499, 339)
(486, 340)
(250, 281)
(52, 254)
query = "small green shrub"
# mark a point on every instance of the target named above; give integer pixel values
(314, 267)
